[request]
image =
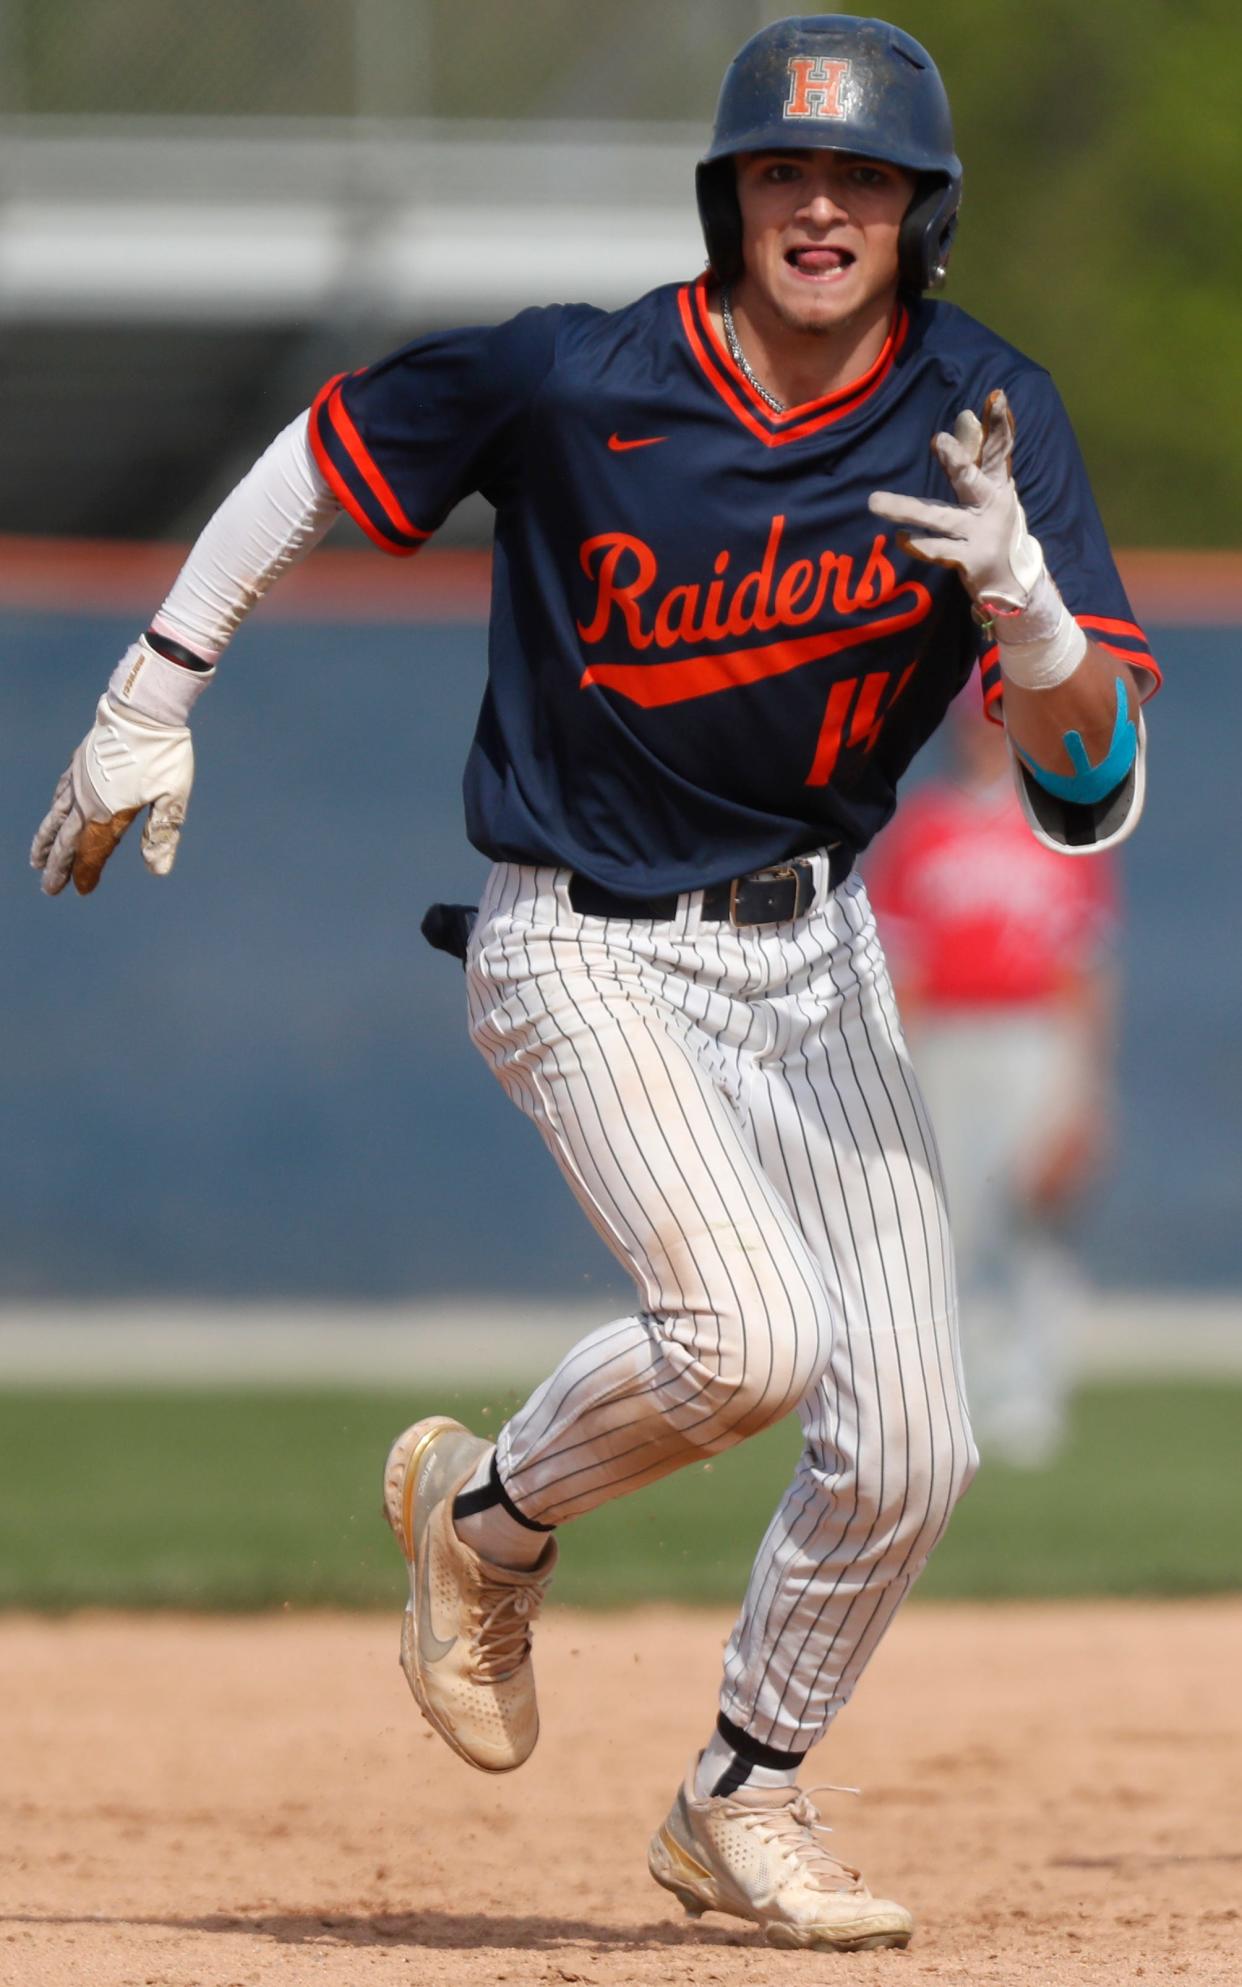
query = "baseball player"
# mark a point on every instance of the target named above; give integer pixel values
(753, 533)
(1001, 956)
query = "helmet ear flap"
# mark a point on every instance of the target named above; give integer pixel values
(715, 183)
(927, 234)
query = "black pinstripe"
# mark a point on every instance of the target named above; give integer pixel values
(737, 1118)
(815, 1672)
(658, 1446)
(780, 1626)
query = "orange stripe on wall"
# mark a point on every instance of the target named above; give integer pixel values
(102, 576)
(86, 576)
(1197, 589)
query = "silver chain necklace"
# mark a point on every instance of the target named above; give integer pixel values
(739, 357)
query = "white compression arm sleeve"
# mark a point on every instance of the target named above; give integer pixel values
(278, 511)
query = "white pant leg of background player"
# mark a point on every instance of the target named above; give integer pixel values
(722, 1006)
(838, 1123)
(1002, 1088)
(595, 1044)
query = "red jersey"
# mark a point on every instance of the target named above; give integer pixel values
(974, 911)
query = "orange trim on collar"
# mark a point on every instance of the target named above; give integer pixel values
(748, 406)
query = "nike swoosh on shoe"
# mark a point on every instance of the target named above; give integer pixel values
(432, 1647)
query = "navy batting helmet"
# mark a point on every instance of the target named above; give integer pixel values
(836, 82)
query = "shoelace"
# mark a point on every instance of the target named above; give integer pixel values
(793, 1830)
(501, 1640)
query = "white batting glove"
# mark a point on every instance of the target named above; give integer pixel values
(137, 754)
(983, 536)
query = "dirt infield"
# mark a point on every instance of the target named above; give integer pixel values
(1055, 1791)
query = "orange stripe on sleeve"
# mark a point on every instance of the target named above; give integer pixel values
(1140, 659)
(336, 482)
(1098, 625)
(1140, 656)
(367, 468)
(327, 407)
(1108, 627)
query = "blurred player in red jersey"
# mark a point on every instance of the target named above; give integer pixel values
(1002, 956)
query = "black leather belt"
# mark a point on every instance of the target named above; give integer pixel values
(768, 897)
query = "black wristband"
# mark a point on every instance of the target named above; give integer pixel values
(176, 652)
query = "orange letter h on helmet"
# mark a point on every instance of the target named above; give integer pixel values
(815, 86)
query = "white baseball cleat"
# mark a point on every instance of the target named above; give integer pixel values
(465, 1638)
(757, 1853)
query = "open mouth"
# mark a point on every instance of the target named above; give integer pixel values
(818, 261)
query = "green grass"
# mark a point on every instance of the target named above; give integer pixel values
(256, 1499)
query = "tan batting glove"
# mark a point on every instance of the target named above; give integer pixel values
(130, 759)
(983, 536)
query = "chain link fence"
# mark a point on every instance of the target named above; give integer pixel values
(372, 58)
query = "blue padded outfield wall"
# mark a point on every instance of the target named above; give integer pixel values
(255, 1079)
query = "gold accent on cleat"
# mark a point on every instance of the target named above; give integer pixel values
(757, 1854)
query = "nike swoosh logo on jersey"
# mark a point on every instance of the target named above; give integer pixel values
(619, 447)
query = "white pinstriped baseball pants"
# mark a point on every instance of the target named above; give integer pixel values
(737, 1116)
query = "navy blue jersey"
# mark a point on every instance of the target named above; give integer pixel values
(703, 658)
